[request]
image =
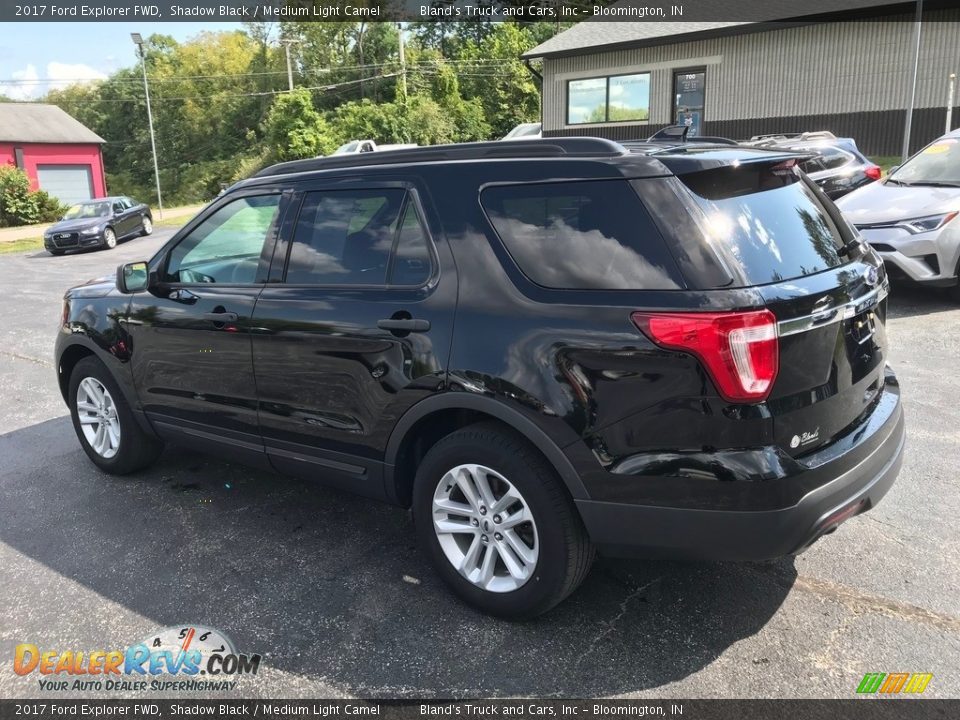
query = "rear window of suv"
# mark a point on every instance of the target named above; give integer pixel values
(746, 224)
(594, 235)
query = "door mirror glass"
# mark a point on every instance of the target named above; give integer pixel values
(132, 277)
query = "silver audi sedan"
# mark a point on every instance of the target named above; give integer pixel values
(911, 217)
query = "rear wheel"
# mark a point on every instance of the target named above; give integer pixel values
(147, 226)
(109, 239)
(104, 422)
(497, 524)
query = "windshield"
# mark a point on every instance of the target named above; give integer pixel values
(937, 163)
(346, 148)
(87, 210)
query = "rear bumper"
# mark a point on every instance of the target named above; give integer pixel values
(625, 530)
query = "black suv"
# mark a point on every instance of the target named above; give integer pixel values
(543, 348)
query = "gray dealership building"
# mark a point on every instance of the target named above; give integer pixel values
(625, 80)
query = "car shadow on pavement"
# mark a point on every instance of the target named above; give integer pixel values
(331, 587)
(908, 300)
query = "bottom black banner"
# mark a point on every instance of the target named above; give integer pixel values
(865, 709)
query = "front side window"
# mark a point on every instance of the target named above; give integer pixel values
(582, 235)
(617, 98)
(226, 247)
(359, 237)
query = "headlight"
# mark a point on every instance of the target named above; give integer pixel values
(926, 224)
(91, 231)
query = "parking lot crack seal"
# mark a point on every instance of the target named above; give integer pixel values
(17, 356)
(872, 603)
(611, 624)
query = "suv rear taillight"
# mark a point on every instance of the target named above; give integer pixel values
(873, 172)
(740, 350)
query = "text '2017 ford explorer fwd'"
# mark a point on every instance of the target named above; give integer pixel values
(545, 348)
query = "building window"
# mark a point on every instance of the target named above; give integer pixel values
(617, 98)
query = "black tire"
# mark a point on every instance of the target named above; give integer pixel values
(56, 252)
(110, 238)
(565, 550)
(137, 449)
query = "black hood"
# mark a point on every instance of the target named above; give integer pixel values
(77, 224)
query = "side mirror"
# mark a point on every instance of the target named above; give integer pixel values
(133, 277)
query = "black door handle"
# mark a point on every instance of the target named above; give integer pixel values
(219, 317)
(404, 325)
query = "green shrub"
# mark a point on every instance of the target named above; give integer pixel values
(18, 206)
(49, 208)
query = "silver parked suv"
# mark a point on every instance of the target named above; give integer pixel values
(910, 218)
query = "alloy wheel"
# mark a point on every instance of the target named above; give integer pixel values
(97, 414)
(147, 226)
(110, 238)
(485, 528)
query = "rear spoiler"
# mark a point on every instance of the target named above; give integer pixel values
(681, 161)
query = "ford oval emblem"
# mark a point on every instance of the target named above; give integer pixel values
(872, 276)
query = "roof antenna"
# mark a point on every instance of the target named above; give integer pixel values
(672, 132)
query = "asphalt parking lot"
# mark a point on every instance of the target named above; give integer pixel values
(332, 592)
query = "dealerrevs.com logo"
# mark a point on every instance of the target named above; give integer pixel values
(894, 683)
(188, 658)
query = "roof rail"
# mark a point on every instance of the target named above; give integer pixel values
(534, 148)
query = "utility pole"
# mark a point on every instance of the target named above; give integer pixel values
(138, 41)
(287, 42)
(913, 86)
(403, 63)
(953, 80)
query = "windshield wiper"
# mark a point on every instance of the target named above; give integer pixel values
(933, 183)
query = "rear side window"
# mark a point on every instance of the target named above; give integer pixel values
(766, 223)
(358, 237)
(581, 235)
(833, 158)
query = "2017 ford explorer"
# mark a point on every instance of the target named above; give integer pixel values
(545, 348)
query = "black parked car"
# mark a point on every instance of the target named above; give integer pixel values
(543, 347)
(98, 223)
(835, 164)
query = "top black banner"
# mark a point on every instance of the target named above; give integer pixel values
(673, 11)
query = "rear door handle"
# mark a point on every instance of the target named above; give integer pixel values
(219, 317)
(404, 325)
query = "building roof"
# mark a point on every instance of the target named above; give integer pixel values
(593, 35)
(602, 34)
(38, 123)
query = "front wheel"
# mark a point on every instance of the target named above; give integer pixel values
(104, 422)
(109, 239)
(147, 226)
(497, 524)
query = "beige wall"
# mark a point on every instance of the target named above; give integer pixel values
(794, 71)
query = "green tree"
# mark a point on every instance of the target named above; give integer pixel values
(294, 129)
(505, 87)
